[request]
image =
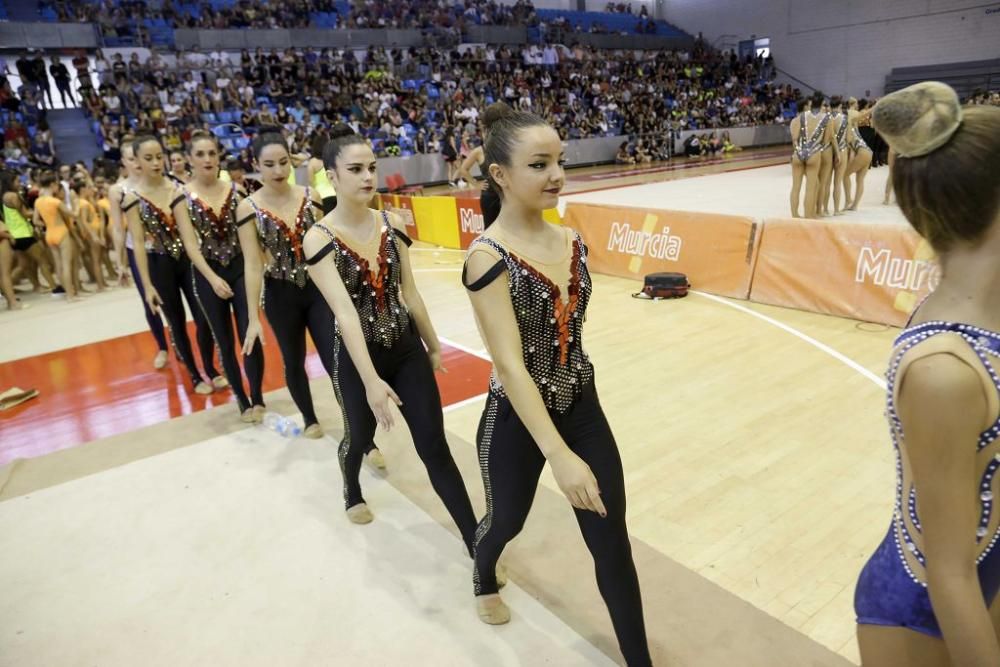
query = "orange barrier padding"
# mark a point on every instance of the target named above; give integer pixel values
(871, 272)
(401, 205)
(470, 219)
(715, 251)
(450, 222)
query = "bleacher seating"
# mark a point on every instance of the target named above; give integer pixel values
(965, 78)
(613, 23)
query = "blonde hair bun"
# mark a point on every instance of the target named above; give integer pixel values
(918, 119)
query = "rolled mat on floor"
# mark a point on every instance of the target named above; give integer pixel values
(15, 396)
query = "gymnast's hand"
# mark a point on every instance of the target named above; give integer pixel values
(436, 364)
(577, 481)
(255, 334)
(153, 299)
(379, 394)
(221, 287)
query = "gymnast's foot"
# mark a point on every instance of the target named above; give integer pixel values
(492, 610)
(360, 514)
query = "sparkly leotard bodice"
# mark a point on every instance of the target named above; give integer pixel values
(284, 243)
(219, 237)
(807, 144)
(375, 291)
(892, 588)
(162, 235)
(841, 134)
(551, 329)
(856, 141)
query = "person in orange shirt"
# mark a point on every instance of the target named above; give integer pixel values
(91, 229)
(56, 216)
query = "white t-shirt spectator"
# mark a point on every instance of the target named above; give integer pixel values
(111, 102)
(171, 111)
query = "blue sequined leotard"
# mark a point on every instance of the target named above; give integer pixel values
(892, 588)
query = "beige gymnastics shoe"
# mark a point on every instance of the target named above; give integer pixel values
(360, 514)
(203, 388)
(314, 431)
(375, 459)
(492, 610)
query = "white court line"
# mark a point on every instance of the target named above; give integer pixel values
(482, 354)
(462, 404)
(823, 347)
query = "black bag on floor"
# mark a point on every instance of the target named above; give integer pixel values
(664, 286)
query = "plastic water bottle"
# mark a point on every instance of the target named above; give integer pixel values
(282, 425)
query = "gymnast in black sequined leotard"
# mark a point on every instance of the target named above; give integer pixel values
(290, 299)
(529, 287)
(163, 266)
(212, 242)
(372, 263)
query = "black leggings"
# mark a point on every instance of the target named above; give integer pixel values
(152, 319)
(219, 314)
(407, 368)
(511, 463)
(172, 279)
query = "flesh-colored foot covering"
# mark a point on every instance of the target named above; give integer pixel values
(375, 459)
(247, 416)
(314, 432)
(160, 360)
(203, 388)
(492, 610)
(360, 514)
(258, 414)
(220, 382)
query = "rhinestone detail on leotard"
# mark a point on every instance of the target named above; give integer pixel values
(551, 330)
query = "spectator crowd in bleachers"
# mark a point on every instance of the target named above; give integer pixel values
(407, 100)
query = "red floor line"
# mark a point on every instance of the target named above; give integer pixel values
(110, 387)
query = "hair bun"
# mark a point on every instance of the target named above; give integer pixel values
(495, 113)
(918, 119)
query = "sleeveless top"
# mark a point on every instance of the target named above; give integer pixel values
(321, 183)
(48, 209)
(217, 231)
(96, 223)
(375, 292)
(284, 243)
(17, 224)
(551, 340)
(857, 142)
(905, 529)
(807, 144)
(841, 133)
(162, 235)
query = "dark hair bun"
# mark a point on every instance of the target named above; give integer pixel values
(495, 113)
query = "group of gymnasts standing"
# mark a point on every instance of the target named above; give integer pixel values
(319, 259)
(52, 228)
(828, 151)
(925, 598)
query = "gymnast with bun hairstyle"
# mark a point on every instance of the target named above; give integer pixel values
(928, 595)
(529, 286)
